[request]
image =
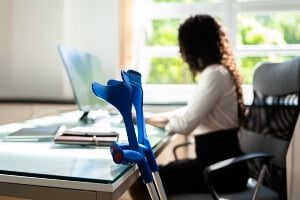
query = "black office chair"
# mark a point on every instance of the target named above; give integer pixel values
(266, 136)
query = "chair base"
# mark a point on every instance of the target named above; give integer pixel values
(265, 193)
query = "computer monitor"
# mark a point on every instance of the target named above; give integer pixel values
(83, 69)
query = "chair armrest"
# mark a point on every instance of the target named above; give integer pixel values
(239, 159)
(179, 146)
(229, 162)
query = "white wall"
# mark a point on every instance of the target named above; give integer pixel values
(96, 29)
(30, 65)
(5, 45)
(36, 29)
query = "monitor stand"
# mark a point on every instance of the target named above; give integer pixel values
(85, 119)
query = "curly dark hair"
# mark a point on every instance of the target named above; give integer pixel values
(203, 42)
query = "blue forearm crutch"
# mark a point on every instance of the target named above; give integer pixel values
(119, 94)
(137, 99)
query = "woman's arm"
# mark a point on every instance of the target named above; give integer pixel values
(209, 90)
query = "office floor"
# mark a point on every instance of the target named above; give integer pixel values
(12, 198)
(125, 196)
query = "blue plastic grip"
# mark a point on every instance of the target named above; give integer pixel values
(118, 94)
(137, 99)
(122, 156)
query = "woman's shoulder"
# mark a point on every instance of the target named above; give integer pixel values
(216, 70)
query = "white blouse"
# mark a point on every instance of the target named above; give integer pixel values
(213, 105)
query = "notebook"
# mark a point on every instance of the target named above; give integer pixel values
(87, 136)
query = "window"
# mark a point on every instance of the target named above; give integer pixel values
(259, 30)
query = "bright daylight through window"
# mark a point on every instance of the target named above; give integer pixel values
(259, 30)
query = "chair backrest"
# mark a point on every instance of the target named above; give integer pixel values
(272, 118)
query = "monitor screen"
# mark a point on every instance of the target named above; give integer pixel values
(83, 69)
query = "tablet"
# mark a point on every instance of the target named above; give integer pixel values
(33, 134)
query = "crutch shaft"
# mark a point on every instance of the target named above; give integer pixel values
(159, 186)
(152, 191)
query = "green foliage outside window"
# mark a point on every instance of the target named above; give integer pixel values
(274, 29)
(169, 70)
(277, 29)
(248, 64)
(163, 33)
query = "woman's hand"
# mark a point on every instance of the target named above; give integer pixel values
(157, 121)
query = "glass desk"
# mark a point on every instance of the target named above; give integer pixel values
(39, 170)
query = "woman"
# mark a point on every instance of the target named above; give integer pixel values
(213, 114)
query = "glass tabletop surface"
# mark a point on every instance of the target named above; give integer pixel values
(66, 162)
